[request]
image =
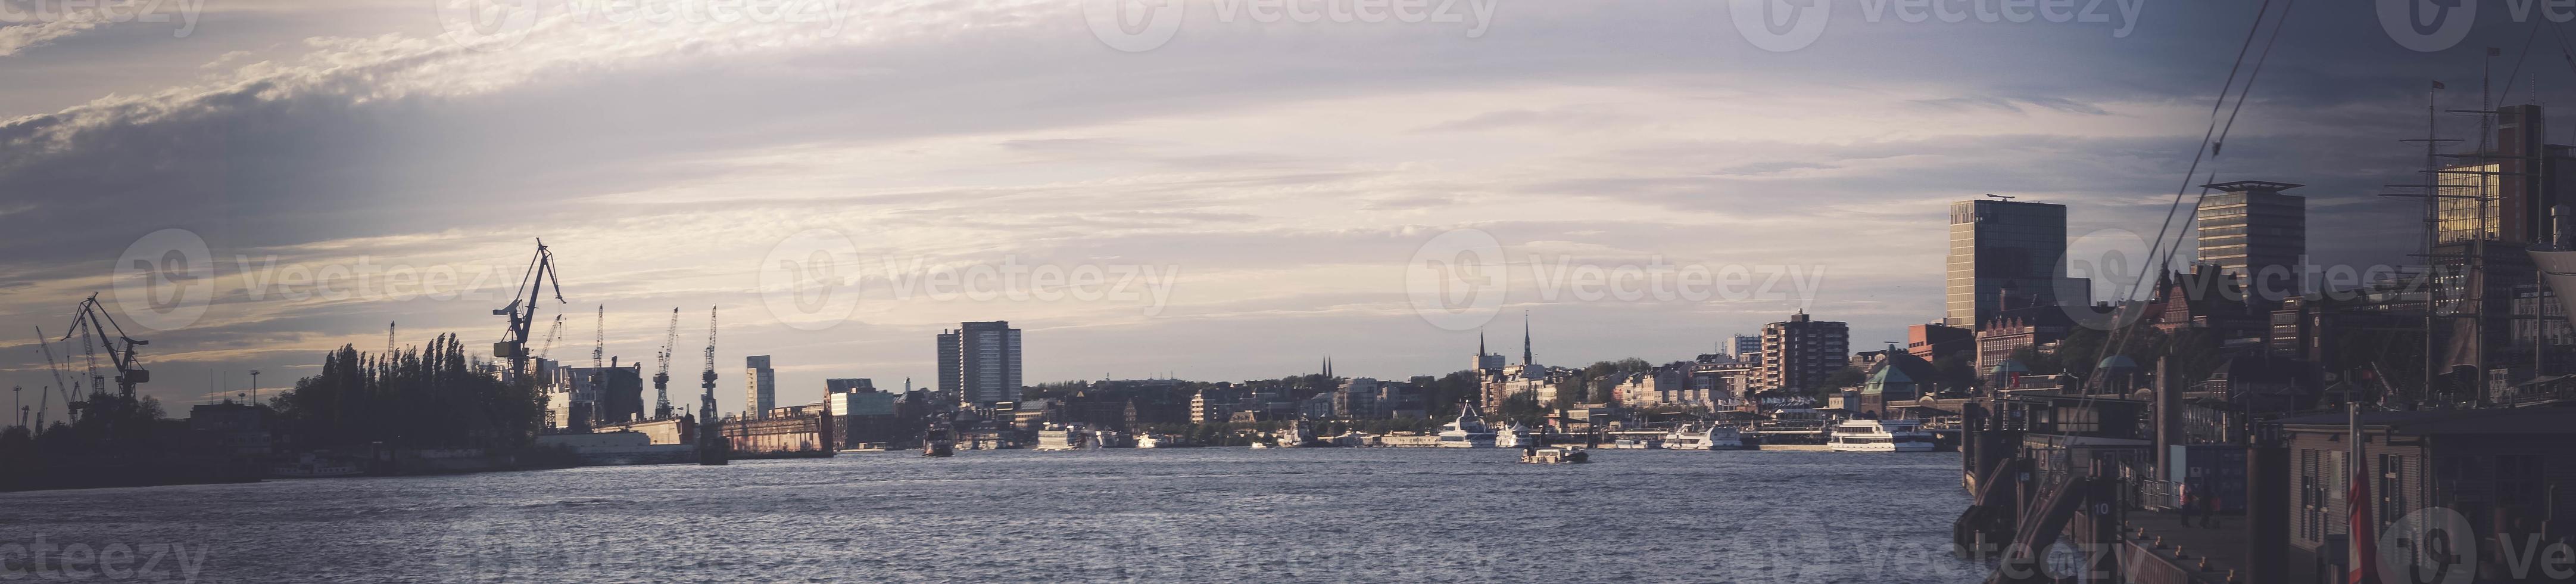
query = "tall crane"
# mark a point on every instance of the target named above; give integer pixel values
(552, 333)
(540, 275)
(707, 381)
(129, 366)
(44, 396)
(599, 338)
(662, 377)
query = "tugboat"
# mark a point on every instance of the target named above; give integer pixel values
(1468, 431)
(940, 441)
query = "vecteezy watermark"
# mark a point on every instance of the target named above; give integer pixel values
(2124, 265)
(807, 280)
(498, 24)
(1137, 26)
(43, 560)
(1460, 279)
(88, 13)
(165, 279)
(2433, 25)
(1781, 26)
(366, 279)
(817, 278)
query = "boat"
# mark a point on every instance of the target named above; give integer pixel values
(1554, 455)
(1880, 436)
(1350, 439)
(1468, 431)
(309, 466)
(1149, 441)
(1259, 445)
(1711, 438)
(1637, 444)
(1061, 438)
(1515, 437)
(940, 439)
(1295, 435)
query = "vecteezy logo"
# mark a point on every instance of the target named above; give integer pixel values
(2427, 25)
(2117, 257)
(1132, 25)
(164, 281)
(486, 25)
(1780, 26)
(809, 280)
(1455, 281)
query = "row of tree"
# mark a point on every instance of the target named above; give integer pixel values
(426, 397)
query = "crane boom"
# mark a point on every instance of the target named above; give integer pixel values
(662, 376)
(129, 365)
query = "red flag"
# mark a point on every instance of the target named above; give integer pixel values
(2365, 540)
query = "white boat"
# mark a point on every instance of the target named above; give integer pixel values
(1149, 441)
(1258, 445)
(1712, 438)
(1062, 439)
(1295, 435)
(1881, 436)
(1468, 431)
(1637, 444)
(1515, 437)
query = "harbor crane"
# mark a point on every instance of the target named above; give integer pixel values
(707, 381)
(44, 396)
(662, 376)
(552, 333)
(599, 338)
(129, 366)
(523, 312)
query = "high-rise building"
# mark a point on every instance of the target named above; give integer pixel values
(761, 391)
(2004, 254)
(2257, 235)
(1800, 352)
(1746, 346)
(980, 362)
(849, 385)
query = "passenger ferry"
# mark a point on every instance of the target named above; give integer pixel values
(1881, 436)
(1469, 431)
(1059, 439)
(1515, 437)
(1713, 438)
(1149, 441)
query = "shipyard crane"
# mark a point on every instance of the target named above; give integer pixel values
(523, 312)
(44, 397)
(707, 381)
(662, 377)
(129, 366)
(552, 333)
(599, 338)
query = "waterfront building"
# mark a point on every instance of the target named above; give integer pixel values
(1798, 353)
(2004, 254)
(1356, 399)
(760, 391)
(1932, 341)
(2257, 235)
(2038, 327)
(979, 362)
(831, 386)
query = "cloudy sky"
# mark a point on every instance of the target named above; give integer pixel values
(1234, 199)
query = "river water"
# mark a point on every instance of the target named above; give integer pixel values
(1171, 515)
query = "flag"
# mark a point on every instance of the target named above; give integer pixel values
(2439, 85)
(2363, 532)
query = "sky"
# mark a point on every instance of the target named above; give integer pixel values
(1226, 190)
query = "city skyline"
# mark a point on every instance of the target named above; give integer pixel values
(1271, 265)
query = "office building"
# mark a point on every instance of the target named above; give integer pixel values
(761, 393)
(1799, 353)
(2257, 235)
(979, 362)
(1747, 346)
(2004, 254)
